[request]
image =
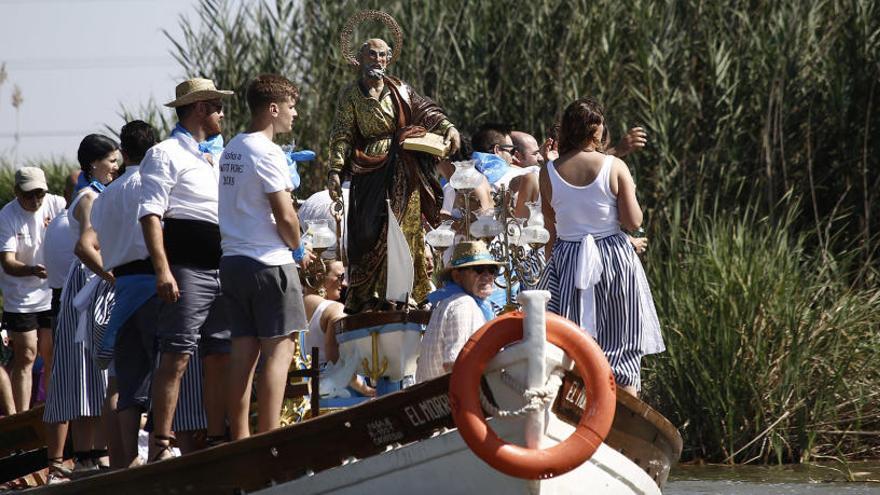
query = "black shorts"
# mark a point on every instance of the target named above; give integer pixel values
(24, 322)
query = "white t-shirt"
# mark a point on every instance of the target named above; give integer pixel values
(58, 252)
(115, 219)
(251, 167)
(23, 232)
(177, 181)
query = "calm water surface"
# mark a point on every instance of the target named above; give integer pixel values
(853, 479)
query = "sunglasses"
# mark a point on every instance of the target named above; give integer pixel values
(35, 194)
(507, 147)
(481, 269)
(216, 106)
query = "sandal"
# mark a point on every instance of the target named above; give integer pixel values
(96, 455)
(165, 449)
(58, 472)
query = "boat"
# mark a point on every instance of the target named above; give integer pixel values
(22, 444)
(412, 439)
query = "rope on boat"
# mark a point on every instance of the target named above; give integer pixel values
(537, 399)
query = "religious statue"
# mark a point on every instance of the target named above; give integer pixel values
(374, 115)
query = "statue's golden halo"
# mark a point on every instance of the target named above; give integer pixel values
(369, 15)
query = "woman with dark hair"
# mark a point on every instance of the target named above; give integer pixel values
(594, 275)
(78, 386)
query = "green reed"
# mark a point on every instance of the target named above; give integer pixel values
(770, 356)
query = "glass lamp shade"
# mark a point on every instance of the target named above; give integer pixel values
(322, 236)
(534, 235)
(536, 217)
(442, 237)
(486, 226)
(466, 176)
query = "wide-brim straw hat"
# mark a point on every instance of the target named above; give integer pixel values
(197, 89)
(469, 253)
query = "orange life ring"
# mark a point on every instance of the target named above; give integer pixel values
(522, 462)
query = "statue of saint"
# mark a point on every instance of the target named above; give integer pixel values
(374, 115)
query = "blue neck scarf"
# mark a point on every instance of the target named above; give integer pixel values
(492, 166)
(212, 145)
(452, 289)
(82, 182)
(297, 156)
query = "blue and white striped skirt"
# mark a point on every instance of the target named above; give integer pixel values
(77, 386)
(626, 321)
(190, 412)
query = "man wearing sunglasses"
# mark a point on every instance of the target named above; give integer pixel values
(460, 308)
(27, 298)
(178, 216)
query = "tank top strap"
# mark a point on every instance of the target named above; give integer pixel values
(603, 180)
(75, 202)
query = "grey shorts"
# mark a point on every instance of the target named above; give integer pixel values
(135, 356)
(264, 301)
(200, 313)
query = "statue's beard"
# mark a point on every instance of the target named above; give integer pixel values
(375, 72)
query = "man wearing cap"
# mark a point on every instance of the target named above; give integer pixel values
(178, 216)
(27, 299)
(461, 307)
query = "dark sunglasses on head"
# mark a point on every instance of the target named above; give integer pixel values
(481, 269)
(36, 193)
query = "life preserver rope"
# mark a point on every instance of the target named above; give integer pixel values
(522, 462)
(537, 399)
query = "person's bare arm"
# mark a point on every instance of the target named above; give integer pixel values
(549, 215)
(166, 285)
(628, 210)
(286, 221)
(87, 248)
(332, 314)
(528, 193)
(15, 268)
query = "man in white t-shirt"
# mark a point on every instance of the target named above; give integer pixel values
(27, 299)
(178, 216)
(258, 228)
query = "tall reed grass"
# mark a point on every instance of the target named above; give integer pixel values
(771, 356)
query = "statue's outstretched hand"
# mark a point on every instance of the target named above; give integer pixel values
(454, 140)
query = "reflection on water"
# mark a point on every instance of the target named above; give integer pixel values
(851, 479)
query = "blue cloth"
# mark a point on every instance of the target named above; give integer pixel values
(212, 145)
(453, 289)
(97, 186)
(132, 291)
(297, 156)
(299, 252)
(81, 182)
(492, 166)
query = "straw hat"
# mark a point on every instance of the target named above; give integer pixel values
(469, 253)
(194, 90)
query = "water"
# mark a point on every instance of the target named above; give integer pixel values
(852, 479)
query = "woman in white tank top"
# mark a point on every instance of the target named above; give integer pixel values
(594, 275)
(323, 310)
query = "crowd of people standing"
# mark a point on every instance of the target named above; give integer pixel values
(173, 273)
